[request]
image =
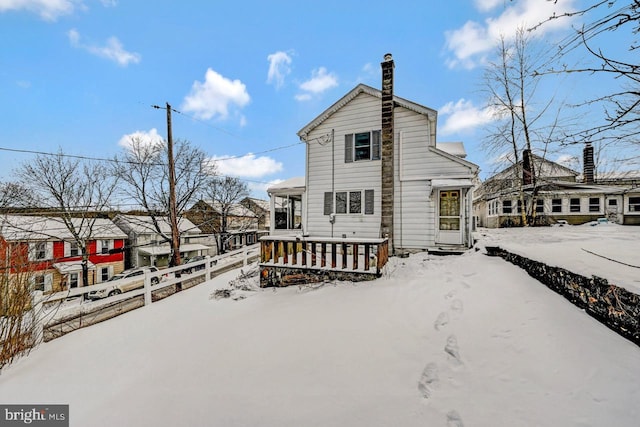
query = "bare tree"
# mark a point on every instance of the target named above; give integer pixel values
(144, 177)
(75, 191)
(225, 194)
(14, 195)
(622, 108)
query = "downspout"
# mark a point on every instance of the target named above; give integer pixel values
(333, 176)
(401, 177)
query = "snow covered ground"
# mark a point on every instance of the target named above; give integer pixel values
(437, 341)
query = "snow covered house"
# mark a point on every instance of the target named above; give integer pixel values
(44, 249)
(559, 193)
(374, 170)
(148, 247)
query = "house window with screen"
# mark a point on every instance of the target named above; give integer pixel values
(40, 250)
(634, 204)
(556, 205)
(362, 146)
(352, 202)
(594, 204)
(574, 205)
(506, 207)
(104, 247)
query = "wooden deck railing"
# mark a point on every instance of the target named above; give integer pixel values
(353, 255)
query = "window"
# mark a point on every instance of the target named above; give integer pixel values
(574, 205)
(349, 202)
(74, 249)
(104, 274)
(104, 246)
(613, 202)
(39, 251)
(341, 202)
(362, 146)
(73, 280)
(355, 202)
(539, 206)
(634, 204)
(519, 206)
(594, 204)
(556, 205)
(42, 282)
(506, 207)
(288, 212)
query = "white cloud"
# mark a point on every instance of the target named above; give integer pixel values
(149, 139)
(247, 166)
(112, 50)
(279, 68)
(48, 10)
(568, 160)
(215, 96)
(464, 116)
(320, 81)
(470, 43)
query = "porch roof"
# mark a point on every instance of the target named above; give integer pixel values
(451, 183)
(72, 266)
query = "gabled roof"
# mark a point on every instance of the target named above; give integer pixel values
(457, 159)
(24, 227)
(262, 204)
(235, 209)
(544, 168)
(141, 224)
(362, 88)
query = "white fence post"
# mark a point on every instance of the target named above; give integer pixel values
(37, 316)
(207, 268)
(147, 289)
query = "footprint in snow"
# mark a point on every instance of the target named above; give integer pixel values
(457, 306)
(429, 380)
(441, 321)
(453, 350)
(454, 419)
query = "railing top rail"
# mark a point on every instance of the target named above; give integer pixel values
(312, 239)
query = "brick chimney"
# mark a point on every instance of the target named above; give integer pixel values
(528, 172)
(588, 165)
(386, 224)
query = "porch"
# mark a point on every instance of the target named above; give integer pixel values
(291, 260)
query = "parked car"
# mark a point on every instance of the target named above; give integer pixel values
(191, 268)
(121, 286)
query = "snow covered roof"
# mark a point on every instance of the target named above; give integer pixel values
(362, 88)
(25, 227)
(140, 224)
(235, 209)
(291, 183)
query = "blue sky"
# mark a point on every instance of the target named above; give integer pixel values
(82, 75)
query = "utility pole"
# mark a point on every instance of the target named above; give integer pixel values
(173, 212)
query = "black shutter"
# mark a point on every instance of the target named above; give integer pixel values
(375, 145)
(348, 148)
(368, 202)
(328, 203)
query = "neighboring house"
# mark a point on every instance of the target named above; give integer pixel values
(44, 249)
(261, 209)
(560, 194)
(373, 169)
(242, 223)
(148, 247)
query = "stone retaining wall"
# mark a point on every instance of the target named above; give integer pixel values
(612, 305)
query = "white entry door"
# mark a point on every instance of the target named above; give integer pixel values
(449, 217)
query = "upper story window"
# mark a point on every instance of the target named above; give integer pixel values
(362, 146)
(74, 248)
(39, 251)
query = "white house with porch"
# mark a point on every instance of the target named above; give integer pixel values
(374, 170)
(148, 247)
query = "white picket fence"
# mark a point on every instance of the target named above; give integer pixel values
(166, 278)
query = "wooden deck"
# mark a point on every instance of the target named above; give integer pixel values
(288, 260)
